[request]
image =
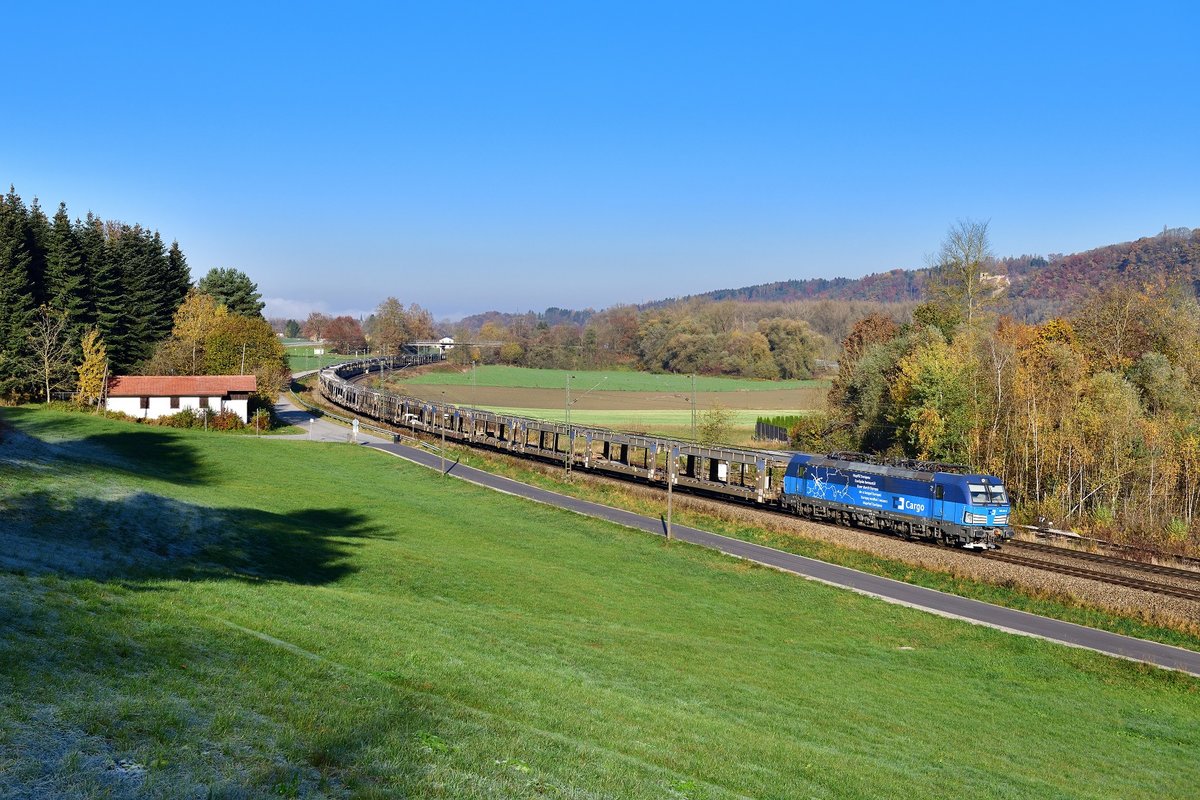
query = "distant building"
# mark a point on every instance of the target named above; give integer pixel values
(151, 396)
(446, 344)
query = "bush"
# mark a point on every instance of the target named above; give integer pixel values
(193, 418)
(187, 418)
(225, 421)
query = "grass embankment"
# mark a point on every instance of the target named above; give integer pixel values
(610, 380)
(189, 615)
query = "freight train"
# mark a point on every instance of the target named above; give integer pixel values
(917, 500)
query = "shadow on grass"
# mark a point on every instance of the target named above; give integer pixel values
(101, 699)
(145, 536)
(147, 452)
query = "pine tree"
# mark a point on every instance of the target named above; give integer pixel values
(16, 291)
(234, 289)
(38, 235)
(65, 279)
(106, 299)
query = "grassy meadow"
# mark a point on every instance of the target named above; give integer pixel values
(610, 380)
(185, 615)
(301, 357)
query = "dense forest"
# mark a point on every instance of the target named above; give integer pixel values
(85, 298)
(121, 279)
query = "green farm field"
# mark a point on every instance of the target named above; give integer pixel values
(629, 401)
(611, 380)
(301, 357)
(195, 615)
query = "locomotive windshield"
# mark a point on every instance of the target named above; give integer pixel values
(983, 494)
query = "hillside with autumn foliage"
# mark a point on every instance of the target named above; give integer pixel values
(1037, 287)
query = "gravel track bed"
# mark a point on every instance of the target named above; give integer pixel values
(1068, 558)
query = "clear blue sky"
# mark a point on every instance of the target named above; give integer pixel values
(470, 156)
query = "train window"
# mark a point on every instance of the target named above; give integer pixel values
(939, 492)
(998, 494)
(979, 493)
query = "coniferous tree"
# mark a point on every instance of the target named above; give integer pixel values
(38, 234)
(66, 283)
(16, 290)
(234, 290)
(106, 301)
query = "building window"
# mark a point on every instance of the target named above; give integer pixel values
(174, 402)
(145, 402)
(204, 402)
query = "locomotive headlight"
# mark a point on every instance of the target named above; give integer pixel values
(975, 519)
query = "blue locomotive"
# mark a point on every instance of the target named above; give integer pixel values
(911, 499)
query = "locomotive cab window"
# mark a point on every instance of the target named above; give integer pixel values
(979, 494)
(998, 494)
(939, 492)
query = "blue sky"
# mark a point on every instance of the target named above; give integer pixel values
(471, 156)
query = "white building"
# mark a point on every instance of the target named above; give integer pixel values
(150, 396)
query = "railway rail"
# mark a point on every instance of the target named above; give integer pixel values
(1115, 561)
(1104, 544)
(1097, 575)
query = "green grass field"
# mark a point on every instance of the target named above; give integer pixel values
(301, 358)
(190, 615)
(609, 380)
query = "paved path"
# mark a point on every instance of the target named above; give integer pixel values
(318, 430)
(931, 600)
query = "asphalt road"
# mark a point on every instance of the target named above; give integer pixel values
(931, 600)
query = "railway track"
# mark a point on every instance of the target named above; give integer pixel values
(1170, 590)
(1101, 558)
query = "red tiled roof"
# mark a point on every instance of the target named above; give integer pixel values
(179, 385)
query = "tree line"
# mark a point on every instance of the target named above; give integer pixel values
(752, 340)
(123, 280)
(87, 298)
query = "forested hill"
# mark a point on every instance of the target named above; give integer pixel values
(1037, 286)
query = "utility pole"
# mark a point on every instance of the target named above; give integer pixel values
(442, 420)
(672, 460)
(693, 406)
(567, 420)
(243, 372)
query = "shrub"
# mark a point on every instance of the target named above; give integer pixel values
(225, 421)
(187, 418)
